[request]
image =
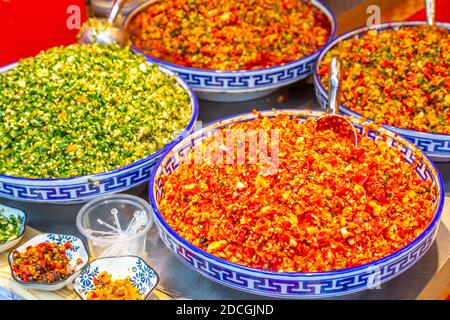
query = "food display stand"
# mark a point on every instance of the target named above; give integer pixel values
(188, 283)
(178, 281)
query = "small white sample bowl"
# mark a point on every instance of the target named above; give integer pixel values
(78, 251)
(142, 276)
(103, 241)
(9, 212)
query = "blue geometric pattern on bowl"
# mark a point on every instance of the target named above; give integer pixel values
(242, 81)
(142, 276)
(77, 251)
(84, 188)
(436, 145)
(298, 284)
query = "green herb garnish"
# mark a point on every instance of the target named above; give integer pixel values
(85, 109)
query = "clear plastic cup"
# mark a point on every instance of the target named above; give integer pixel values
(106, 222)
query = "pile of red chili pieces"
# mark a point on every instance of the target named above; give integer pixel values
(398, 77)
(45, 262)
(328, 206)
(230, 34)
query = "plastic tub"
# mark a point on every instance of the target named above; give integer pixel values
(106, 222)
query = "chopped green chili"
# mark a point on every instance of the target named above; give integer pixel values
(9, 227)
(85, 109)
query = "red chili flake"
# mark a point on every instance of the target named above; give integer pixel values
(310, 214)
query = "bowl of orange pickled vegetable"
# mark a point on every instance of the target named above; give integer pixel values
(116, 278)
(267, 204)
(396, 74)
(232, 50)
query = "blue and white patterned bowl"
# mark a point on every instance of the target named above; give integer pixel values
(300, 284)
(437, 146)
(5, 294)
(241, 85)
(78, 251)
(83, 188)
(8, 212)
(143, 277)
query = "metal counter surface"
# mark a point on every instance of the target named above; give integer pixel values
(175, 276)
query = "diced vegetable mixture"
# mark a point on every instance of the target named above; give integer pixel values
(45, 262)
(86, 109)
(9, 227)
(398, 77)
(328, 206)
(230, 34)
(108, 289)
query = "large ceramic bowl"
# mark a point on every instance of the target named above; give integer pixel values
(437, 146)
(241, 85)
(300, 284)
(84, 188)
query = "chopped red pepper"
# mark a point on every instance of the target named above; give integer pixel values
(45, 262)
(312, 214)
(229, 34)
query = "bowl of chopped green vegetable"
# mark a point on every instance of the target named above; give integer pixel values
(87, 120)
(48, 261)
(12, 227)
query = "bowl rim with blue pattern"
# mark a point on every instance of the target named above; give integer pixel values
(115, 259)
(16, 212)
(307, 284)
(79, 250)
(411, 135)
(210, 81)
(84, 188)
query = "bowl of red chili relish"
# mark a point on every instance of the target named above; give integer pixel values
(232, 50)
(48, 261)
(396, 74)
(306, 216)
(164, 111)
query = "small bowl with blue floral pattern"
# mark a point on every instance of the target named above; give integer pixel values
(76, 253)
(142, 276)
